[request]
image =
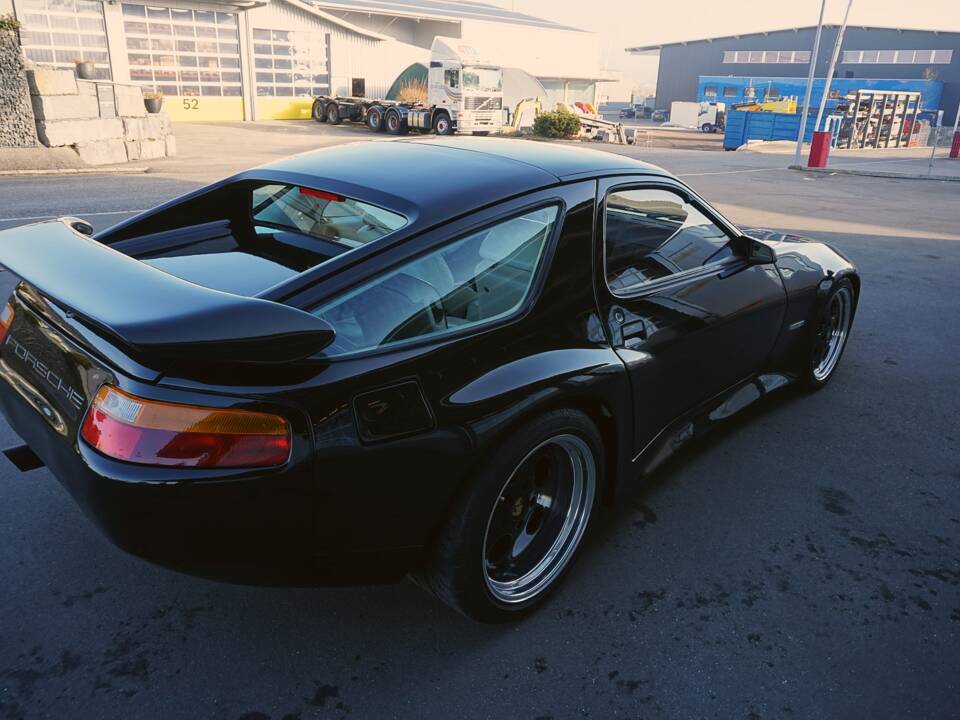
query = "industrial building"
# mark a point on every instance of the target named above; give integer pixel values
(265, 59)
(736, 68)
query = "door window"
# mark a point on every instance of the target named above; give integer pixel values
(451, 76)
(477, 279)
(653, 233)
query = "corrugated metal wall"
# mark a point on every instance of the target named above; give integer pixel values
(352, 55)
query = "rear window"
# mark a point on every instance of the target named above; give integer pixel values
(321, 214)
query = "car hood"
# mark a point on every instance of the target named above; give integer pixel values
(783, 243)
(775, 236)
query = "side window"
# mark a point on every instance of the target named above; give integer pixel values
(451, 76)
(650, 234)
(479, 278)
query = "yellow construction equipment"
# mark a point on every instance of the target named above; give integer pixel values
(513, 128)
(781, 105)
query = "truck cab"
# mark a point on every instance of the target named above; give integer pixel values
(462, 85)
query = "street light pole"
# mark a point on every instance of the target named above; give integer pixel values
(806, 99)
(833, 65)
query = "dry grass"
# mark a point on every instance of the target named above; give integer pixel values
(413, 91)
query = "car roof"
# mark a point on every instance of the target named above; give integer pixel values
(433, 180)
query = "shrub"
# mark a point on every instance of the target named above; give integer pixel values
(556, 124)
(9, 22)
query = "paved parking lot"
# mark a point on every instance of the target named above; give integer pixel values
(802, 563)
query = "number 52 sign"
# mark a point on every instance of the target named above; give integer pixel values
(191, 104)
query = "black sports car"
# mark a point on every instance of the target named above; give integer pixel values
(427, 357)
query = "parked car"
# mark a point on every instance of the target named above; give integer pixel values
(660, 115)
(634, 111)
(324, 369)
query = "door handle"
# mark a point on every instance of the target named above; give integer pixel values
(634, 334)
(635, 329)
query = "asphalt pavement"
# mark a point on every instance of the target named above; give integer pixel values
(804, 562)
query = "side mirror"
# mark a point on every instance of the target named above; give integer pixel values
(78, 224)
(757, 252)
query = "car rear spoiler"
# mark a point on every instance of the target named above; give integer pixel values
(156, 315)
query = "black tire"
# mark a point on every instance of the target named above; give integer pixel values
(823, 357)
(374, 119)
(319, 112)
(394, 123)
(459, 569)
(333, 114)
(442, 124)
(707, 128)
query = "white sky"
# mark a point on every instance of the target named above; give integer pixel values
(625, 23)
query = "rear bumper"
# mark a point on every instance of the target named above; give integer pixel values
(246, 528)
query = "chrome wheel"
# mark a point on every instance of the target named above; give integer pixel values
(832, 335)
(539, 518)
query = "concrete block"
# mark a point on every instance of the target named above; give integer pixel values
(103, 152)
(150, 126)
(65, 107)
(165, 125)
(47, 81)
(129, 101)
(54, 133)
(133, 150)
(87, 87)
(171, 141)
(151, 149)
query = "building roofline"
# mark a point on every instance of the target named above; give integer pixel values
(659, 46)
(312, 9)
(464, 13)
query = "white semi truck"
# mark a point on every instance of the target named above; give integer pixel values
(705, 116)
(464, 94)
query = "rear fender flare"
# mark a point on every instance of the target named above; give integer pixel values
(592, 380)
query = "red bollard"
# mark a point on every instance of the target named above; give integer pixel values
(955, 148)
(820, 149)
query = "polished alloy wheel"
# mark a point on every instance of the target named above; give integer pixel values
(539, 518)
(832, 335)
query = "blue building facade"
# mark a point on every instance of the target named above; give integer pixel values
(733, 90)
(868, 54)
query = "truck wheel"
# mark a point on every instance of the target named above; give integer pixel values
(375, 119)
(319, 112)
(442, 125)
(511, 535)
(707, 128)
(333, 114)
(394, 123)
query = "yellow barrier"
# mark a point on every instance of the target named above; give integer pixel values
(204, 109)
(274, 108)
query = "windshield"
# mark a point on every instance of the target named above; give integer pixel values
(324, 215)
(481, 79)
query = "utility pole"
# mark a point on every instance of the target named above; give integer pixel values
(833, 65)
(806, 99)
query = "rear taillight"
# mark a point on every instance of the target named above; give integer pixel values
(150, 432)
(6, 320)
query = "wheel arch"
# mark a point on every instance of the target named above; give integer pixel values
(605, 401)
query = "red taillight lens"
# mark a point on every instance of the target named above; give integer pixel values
(6, 320)
(150, 432)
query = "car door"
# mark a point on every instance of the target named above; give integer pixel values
(687, 308)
